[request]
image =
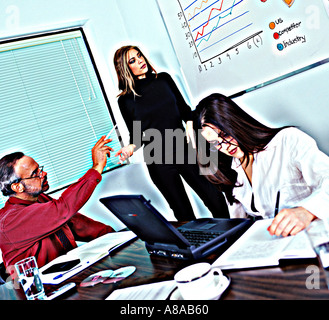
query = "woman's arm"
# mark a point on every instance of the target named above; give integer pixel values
(313, 166)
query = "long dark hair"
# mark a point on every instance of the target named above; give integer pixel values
(251, 135)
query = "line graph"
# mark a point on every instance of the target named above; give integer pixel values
(197, 8)
(218, 26)
(208, 21)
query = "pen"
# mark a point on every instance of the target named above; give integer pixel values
(84, 265)
(111, 132)
(62, 274)
(276, 211)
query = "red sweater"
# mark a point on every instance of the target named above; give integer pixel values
(28, 228)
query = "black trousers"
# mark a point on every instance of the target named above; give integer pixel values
(167, 178)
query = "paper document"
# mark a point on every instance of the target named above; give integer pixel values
(257, 248)
(88, 253)
(299, 247)
(152, 291)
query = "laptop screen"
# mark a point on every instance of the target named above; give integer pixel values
(144, 220)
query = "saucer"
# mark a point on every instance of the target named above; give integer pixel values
(175, 294)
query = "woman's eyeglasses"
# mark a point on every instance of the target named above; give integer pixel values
(217, 145)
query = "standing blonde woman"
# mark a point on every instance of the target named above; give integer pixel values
(153, 101)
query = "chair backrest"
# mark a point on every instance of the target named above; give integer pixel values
(3, 274)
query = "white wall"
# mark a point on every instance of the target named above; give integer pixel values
(302, 101)
(109, 24)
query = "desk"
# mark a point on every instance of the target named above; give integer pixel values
(284, 282)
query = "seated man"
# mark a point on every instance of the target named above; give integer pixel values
(34, 224)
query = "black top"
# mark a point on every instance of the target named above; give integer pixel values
(159, 105)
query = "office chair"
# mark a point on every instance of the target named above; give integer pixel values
(3, 274)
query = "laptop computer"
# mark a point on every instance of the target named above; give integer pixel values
(193, 240)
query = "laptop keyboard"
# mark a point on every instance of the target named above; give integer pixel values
(197, 238)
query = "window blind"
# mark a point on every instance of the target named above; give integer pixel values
(52, 104)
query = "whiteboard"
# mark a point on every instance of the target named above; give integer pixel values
(235, 46)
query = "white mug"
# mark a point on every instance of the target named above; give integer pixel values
(198, 282)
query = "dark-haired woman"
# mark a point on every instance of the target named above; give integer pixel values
(154, 101)
(266, 163)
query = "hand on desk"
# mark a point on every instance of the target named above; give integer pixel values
(290, 221)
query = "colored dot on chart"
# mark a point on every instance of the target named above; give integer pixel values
(272, 25)
(276, 36)
(280, 46)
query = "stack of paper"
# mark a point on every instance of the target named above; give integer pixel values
(257, 248)
(152, 291)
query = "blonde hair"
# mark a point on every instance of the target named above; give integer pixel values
(126, 78)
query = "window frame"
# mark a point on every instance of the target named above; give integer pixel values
(99, 80)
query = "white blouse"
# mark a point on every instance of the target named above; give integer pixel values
(291, 164)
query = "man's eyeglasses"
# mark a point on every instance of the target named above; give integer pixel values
(35, 174)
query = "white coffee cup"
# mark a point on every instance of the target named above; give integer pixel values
(199, 282)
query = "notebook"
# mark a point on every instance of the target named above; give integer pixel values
(193, 240)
